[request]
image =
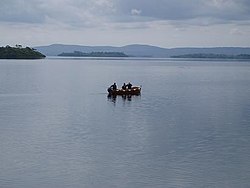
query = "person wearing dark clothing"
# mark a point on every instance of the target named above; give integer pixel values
(124, 86)
(114, 87)
(129, 85)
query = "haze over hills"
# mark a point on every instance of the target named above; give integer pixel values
(137, 50)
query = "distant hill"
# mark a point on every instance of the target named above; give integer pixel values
(19, 52)
(138, 50)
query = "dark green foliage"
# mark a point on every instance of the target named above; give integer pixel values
(215, 56)
(19, 53)
(94, 54)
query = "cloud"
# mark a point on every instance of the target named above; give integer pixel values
(20, 11)
(72, 12)
(135, 12)
(183, 10)
(237, 31)
(95, 12)
(163, 22)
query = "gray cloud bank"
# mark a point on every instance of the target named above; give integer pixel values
(191, 9)
(167, 23)
(94, 12)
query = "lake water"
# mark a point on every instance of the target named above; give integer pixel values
(189, 128)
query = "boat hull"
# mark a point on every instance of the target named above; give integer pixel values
(132, 91)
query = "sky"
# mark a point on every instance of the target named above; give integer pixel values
(164, 23)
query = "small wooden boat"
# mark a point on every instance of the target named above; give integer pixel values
(133, 91)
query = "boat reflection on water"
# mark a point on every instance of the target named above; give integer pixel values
(115, 98)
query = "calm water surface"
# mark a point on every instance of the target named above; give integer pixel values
(189, 128)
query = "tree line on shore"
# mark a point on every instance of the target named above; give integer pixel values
(215, 56)
(94, 54)
(18, 52)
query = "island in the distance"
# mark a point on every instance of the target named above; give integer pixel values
(94, 54)
(18, 52)
(213, 56)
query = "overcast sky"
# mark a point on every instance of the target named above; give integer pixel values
(165, 23)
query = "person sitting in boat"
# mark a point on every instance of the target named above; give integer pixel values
(112, 87)
(129, 85)
(124, 86)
